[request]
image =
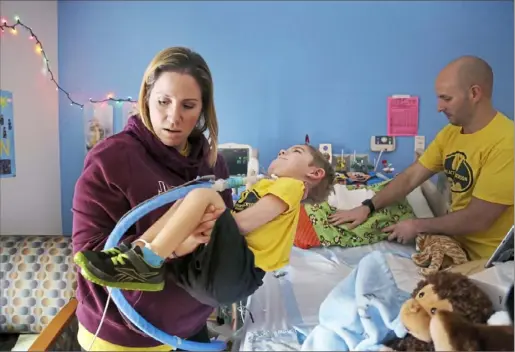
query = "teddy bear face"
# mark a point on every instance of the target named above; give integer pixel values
(416, 312)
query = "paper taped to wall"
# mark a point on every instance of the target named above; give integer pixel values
(402, 116)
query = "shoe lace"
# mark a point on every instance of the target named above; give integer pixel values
(112, 251)
(119, 259)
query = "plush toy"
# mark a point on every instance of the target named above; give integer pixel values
(451, 332)
(441, 291)
(435, 252)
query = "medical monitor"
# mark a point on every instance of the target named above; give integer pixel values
(237, 157)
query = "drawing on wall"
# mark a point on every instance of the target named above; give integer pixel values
(128, 110)
(7, 156)
(98, 123)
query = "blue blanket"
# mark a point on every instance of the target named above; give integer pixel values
(361, 311)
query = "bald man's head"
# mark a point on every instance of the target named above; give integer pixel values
(463, 86)
(472, 70)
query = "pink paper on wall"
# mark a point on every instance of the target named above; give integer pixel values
(402, 116)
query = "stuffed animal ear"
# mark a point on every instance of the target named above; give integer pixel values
(450, 332)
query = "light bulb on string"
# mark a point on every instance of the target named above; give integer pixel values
(46, 69)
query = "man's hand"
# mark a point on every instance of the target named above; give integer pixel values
(404, 231)
(355, 216)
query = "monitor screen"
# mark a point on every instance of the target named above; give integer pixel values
(237, 160)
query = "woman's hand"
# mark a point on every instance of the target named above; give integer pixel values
(202, 233)
(190, 244)
(355, 216)
(208, 221)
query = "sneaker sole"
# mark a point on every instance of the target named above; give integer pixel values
(87, 273)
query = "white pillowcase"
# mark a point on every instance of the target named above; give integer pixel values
(419, 204)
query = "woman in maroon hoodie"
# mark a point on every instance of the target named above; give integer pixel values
(162, 147)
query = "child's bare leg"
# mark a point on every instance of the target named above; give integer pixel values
(184, 219)
(152, 231)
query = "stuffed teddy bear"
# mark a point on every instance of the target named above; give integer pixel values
(441, 291)
(435, 252)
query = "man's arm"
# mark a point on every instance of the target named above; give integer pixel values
(421, 170)
(478, 216)
(402, 185)
(265, 210)
(492, 195)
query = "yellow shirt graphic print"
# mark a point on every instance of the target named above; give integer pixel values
(459, 172)
(478, 165)
(272, 242)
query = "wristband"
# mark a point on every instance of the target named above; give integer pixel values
(369, 204)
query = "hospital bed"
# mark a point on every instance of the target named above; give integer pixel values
(289, 300)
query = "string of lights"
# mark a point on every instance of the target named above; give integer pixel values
(41, 50)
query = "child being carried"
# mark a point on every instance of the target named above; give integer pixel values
(254, 238)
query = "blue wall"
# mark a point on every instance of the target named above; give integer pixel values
(282, 69)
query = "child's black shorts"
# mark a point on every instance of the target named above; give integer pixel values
(223, 270)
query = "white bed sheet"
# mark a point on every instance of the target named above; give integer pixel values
(290, 299)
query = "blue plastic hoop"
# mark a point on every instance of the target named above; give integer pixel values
(121, 302)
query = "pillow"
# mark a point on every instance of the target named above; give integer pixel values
(369, 232)
(305, 237)
(419, 204)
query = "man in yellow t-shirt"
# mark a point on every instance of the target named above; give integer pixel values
(475, 151)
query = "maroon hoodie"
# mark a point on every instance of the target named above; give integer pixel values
(119, 173)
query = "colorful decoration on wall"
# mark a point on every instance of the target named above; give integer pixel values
(40, 50)
(98, 124)
(7, 158)
(128, 110)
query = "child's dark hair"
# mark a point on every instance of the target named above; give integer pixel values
(320, 192)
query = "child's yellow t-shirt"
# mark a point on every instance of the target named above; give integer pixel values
(477, 165)
(272, 242)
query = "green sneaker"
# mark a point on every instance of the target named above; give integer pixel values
(125, 270)
(113, 252)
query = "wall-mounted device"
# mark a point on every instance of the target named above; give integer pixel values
(382, 143)
(327, 150)
(237, 157)
(420, 143)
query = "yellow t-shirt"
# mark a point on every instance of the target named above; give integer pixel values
(272, 242)
(477, 165)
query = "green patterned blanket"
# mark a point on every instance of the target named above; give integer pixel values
(367, 233)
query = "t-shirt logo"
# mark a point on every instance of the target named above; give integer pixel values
(162, 187)
(247, 199)
(458, 172)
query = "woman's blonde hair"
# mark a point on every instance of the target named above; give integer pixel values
(183, 60)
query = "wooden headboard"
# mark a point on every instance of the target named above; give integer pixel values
(436, 191)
